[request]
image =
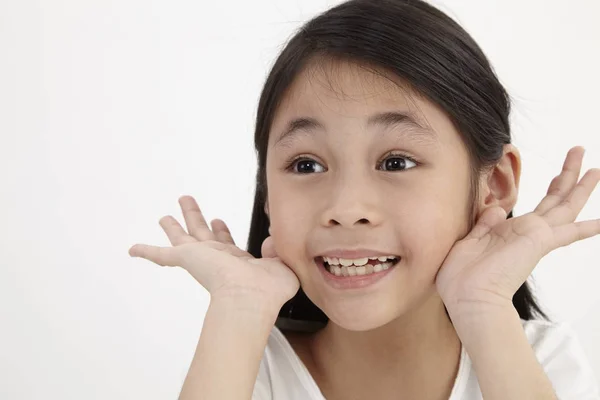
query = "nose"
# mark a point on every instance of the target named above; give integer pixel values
(351, 203)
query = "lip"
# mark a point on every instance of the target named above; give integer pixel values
(355, 253)
(352, 282)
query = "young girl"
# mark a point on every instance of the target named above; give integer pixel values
(383, 260)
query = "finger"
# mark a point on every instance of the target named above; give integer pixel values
(267, 249)
(567, 211)
(221, 231)
(176, 234)
(229, 248)
(562, 184)
(163, 256)
(488, 219)
(570, 233)
(194, 220)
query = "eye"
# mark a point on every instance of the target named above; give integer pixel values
(397, 162)
(303, 165)
(392, 163)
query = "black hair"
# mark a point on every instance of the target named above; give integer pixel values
(435, 56)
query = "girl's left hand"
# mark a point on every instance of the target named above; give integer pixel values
(488, 266)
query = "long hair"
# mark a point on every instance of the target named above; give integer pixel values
(436, 57)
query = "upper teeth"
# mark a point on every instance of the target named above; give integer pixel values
(357, 261)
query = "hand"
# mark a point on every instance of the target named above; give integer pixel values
(214, 260)
(498, 255)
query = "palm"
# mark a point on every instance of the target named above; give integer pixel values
(489, 265)
(239, 271)
(213, 259)
(497, 256)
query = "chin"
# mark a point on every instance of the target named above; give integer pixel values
(364, 314)
(352, 323)
(364, 317)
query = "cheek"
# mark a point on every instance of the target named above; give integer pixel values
(288, 229)
(433, 231)
(290, 216)
(288, 206)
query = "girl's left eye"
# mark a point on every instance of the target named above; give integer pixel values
(393, 162)
(303, 164)
(397, 162)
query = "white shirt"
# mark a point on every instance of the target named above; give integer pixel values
(283, 376)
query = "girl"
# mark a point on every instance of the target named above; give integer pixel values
(392, 266)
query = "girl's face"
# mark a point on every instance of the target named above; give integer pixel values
(354, 188)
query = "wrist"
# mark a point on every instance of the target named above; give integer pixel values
(469, 306)
(476, 322)
(246, 305)
(502, 357)
(480, 311)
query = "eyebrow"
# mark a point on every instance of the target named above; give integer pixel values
(307, 126)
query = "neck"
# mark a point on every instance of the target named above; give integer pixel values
(418, 350)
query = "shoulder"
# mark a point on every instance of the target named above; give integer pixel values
(273, 357)
(282, 374)
(558, 350)
(552, 339)
(262, 385)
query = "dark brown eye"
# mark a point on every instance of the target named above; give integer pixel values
(305, 166)
(397, 163)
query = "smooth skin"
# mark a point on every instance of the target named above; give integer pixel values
(214, 260)
(484, 270)
(496, 257)
(476, 281)
(245, 296)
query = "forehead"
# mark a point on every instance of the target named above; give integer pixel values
(340, 93)
(346, 81)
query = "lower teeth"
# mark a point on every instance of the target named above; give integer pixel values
(363, 270)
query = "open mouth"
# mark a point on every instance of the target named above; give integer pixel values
(358, 267)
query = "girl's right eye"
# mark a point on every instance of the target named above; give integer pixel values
(303, 165)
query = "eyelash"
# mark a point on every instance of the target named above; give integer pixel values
(292, 163)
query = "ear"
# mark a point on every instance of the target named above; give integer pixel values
(267, 212)
(501, 187)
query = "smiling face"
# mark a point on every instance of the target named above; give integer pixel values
(398, 185)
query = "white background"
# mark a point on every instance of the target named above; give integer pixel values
(110, 110)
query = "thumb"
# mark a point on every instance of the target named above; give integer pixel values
(488, 219)
(268, 248)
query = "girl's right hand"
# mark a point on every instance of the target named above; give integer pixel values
(214, 260)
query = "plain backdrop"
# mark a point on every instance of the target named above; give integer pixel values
(111, 110)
